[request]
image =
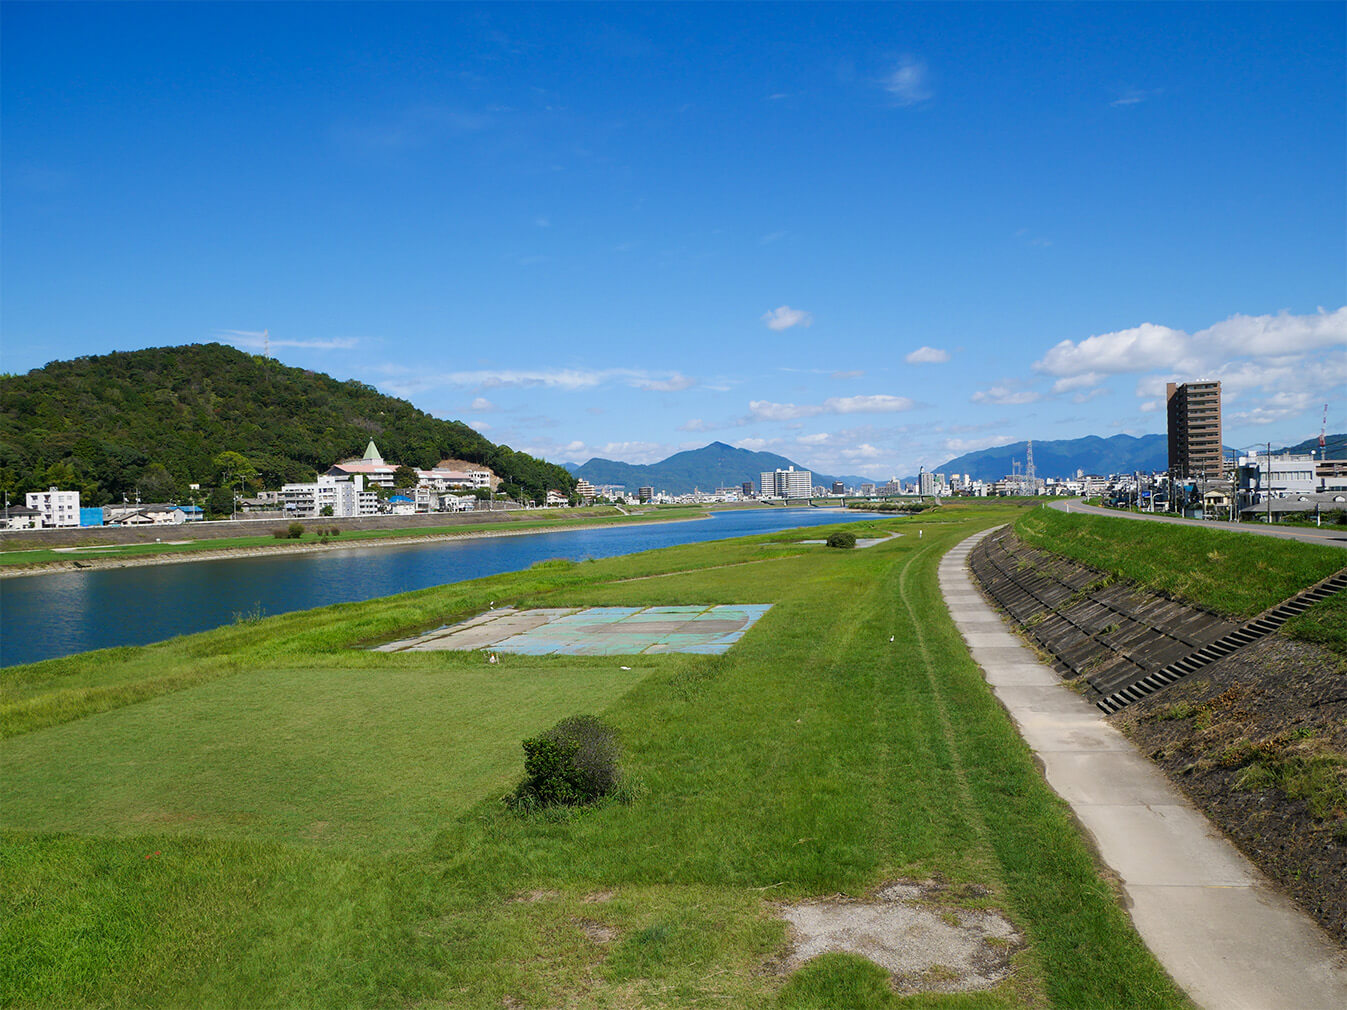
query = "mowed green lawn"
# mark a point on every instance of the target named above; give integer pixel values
(277, 819)
(361, 758)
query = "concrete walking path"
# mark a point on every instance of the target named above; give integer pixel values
(1217, 925)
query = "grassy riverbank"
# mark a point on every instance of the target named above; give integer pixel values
(263, 815)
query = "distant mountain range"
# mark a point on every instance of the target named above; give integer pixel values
(1063, 457)
(721, 465)
(711, 466)
(1095, 455)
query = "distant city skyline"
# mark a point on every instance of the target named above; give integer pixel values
(866, 237)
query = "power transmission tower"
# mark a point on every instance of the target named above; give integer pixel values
(1030, 477)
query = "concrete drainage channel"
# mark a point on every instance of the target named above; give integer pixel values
(1121, 643)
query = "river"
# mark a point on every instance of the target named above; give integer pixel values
(45, 616)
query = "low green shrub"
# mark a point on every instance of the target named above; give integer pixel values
(294, 531)
(574, 763)
(843, 539)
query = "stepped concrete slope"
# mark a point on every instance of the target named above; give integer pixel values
(1215, 923)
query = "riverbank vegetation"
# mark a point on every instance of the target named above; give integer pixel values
(269, 815)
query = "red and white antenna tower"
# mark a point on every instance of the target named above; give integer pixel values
(1323, 442)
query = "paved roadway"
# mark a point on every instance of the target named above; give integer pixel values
(1221, 930)
(1333, 536)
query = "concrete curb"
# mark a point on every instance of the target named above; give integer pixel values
(1216, 924)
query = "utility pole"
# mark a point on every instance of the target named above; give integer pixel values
(1268, 491)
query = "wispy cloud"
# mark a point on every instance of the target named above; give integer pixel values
(772, 236)
(766, 410)
(673, 384)
(259, 339)
(1134, 96)
(908, 83)
(568, 380)
(927, 356)
(784, 317)
(1006, 394)
(854, 373)
(482, 404)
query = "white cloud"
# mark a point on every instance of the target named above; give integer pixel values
(696, 424)
(482, 403)
(766, 410)
(259, 339)
(1149, 347)
(959, 446)
(854, 373)
(863, 451)
(1006, 395)
(563, 379)
(908, 84)
(927, 356)
(784, 317)
(479, 426)
(672, 384)
(875, 404)
(1083, 381)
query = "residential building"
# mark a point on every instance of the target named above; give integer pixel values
(159, 514)
(58, 508)
(20, 517)
(867, 490)
(747, 487)
(555, 498)
(839, 487)
(645, 494)
(345, 496)
(1194, 412)
(585, 489)
(789, 483)
(926, 484)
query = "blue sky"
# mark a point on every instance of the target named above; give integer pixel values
(868, 237)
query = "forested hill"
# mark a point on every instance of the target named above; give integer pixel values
(155, 419)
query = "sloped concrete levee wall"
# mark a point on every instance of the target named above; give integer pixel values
(1100, 631)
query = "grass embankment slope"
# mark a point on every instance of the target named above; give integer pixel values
(263, 816)
(1236, 574)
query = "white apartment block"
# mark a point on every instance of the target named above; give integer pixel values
(58, 508)
(791, 483)
(346, 496)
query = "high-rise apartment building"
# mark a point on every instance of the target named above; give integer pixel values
(1194, 429)
(791, 483)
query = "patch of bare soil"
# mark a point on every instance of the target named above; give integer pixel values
(1258, 741)
(914, 931)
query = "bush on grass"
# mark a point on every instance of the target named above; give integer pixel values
(574, 763)
(842, 539)
(294, 531)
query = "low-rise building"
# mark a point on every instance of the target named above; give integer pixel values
(59, 509)
(20, 517)
(339, 497)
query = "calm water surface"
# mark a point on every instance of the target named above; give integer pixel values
(44, 616)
